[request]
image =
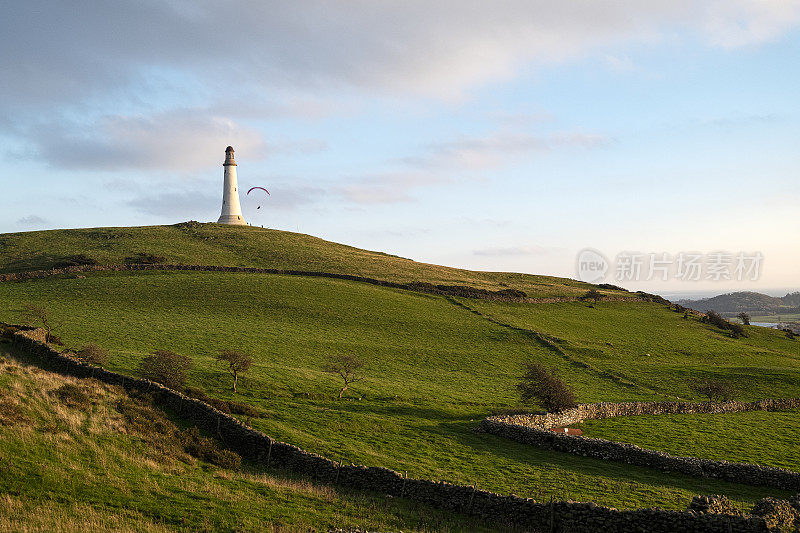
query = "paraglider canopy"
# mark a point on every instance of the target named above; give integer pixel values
(262, 188)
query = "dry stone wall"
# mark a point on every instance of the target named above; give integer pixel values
(504, 295)
(563, 516)
(534, 429)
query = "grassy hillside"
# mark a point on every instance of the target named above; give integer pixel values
(215, 244)
(433, 368)
(83, 456)
(651, 346)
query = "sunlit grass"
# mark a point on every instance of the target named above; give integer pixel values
(81, 468)
(433, 369)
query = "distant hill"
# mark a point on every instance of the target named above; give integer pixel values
(753, 303)
(193, 243)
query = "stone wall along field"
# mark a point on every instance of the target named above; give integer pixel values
(561, 516)
(534, 429)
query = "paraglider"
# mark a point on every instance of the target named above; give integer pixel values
(261, 188)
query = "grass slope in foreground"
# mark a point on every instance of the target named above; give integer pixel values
(222, 245)
(79, 455)
(433, 370)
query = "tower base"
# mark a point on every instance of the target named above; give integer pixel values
(236, 220)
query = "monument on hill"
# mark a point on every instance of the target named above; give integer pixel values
(231, 209)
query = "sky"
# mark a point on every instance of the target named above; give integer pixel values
(503, 136)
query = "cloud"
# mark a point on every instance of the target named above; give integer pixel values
(442, 48)
(32, 221)
(516, 251)
(203, 201)
(495, 150)
(285, 197)
(386, 188)
(618, 63)
(178, 205)
(152, 84)
(176, 140)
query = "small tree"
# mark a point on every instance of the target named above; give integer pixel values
(744, 317)
(593, 294)
(38, 315)
(714, 390)
(92, 353)
(165, 367)
(235, 363)
(545, 387)
(346, 366)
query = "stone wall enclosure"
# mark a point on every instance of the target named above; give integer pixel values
(257, 447)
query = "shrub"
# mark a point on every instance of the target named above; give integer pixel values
(545, 387)
(140, 416)
(244, 409)
(74, 260)
(646, 296)
(736, 330)
(219, 405)
(7, 331)
(197, 394)
(144, 258)
(227, 407)
(714, 390)
(593, 294)
(715, 319)
(744, 317)
(208, 450)
(166, 367)
(611, 287)
(94, 354)
(72, 395)
(11, 412)
(189, 224)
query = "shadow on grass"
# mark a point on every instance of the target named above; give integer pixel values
(511, 451)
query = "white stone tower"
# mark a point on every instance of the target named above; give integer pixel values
(231, 209)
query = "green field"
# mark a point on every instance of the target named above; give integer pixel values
(75, 463)
(657, 349)
(434, 369)
(765, 438)
(787, 317)
(216, 244)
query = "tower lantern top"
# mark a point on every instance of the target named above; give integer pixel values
(229, 160)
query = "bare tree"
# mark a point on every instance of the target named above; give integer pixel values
(744, 317)
(235, 363)
(37, 314)
(346, 366)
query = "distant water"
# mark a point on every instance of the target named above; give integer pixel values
(764, 324)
